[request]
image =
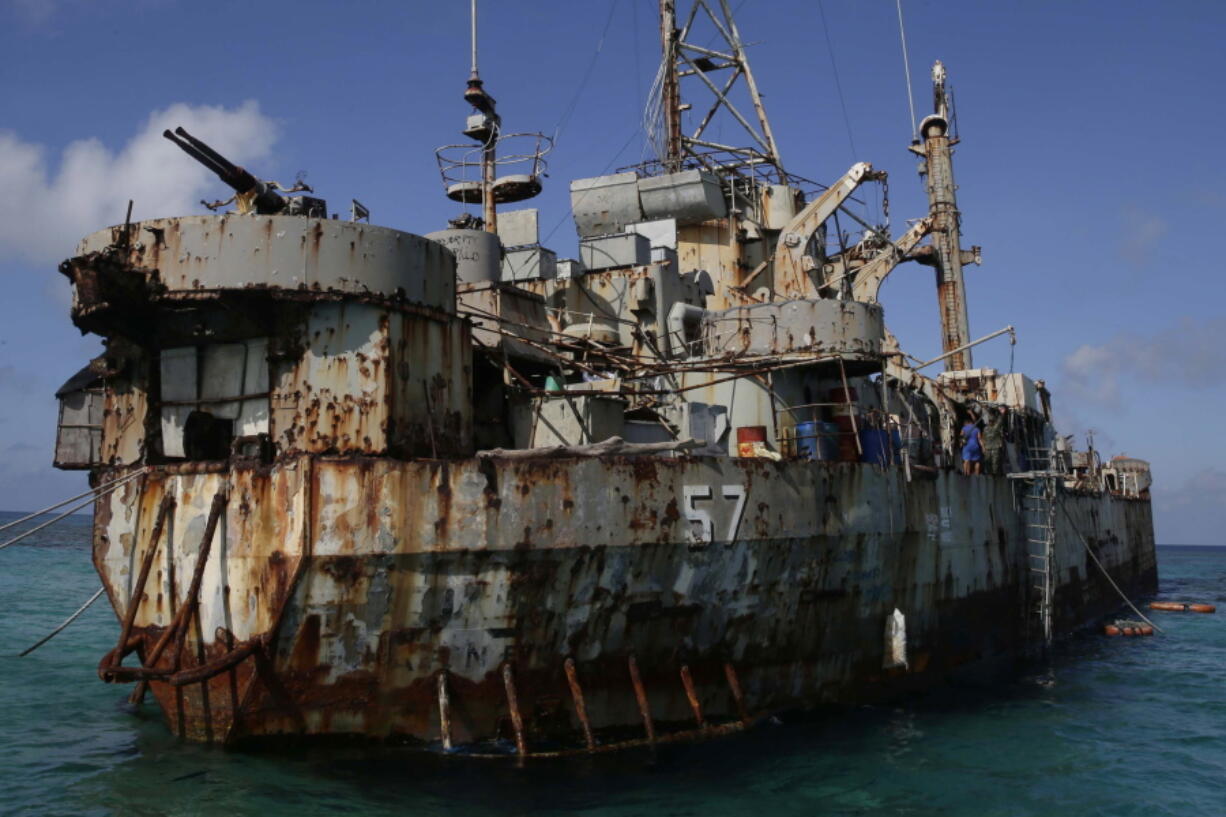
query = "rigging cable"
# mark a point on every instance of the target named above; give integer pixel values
(906, 67)
(587, 75)
(634, 134)
(837, 84)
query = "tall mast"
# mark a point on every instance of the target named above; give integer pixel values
(671, 90)
(716, 66)
(937, 151)
(476, 96)
(738, 49)
(523, 164)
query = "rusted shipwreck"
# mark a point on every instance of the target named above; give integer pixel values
(454, 491)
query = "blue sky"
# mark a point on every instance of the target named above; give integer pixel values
(1090, 169)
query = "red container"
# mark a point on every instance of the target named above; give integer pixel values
(842, 413)
(843, 421)
(751, 434)
(747, 437)
(841, 396)
(848, 452)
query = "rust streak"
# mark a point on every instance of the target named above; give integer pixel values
(688, 682)
(640, 695)
(204, 672)
(576, 692)
(178, 625)
(138, 590)
(734, 684)
(517, 720)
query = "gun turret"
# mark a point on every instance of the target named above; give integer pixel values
(256, 195)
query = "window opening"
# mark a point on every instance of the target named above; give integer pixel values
(211, 395)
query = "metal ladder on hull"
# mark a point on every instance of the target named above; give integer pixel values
(1038, 506)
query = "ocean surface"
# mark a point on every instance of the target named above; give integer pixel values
(1111, 727)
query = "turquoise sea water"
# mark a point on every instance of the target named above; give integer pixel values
(1112, 727)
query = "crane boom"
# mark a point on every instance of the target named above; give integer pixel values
(791, 264)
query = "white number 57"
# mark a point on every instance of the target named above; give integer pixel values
(702, 527)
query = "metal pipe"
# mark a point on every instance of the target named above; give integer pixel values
(473, 18)
(576, 692)
(687, 681)
(221, 172)
(222, 161)
(138, 590)
(670, 90)
(734, 684)
(444, 711)
(204, 672)
(517, 720)
(640, 695)
(966, 346)
(851, 409)
(180, 621)
(192, 602)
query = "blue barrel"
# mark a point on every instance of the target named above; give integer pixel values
(817, 441)
(875, 446)
(896, 443)
(829, 442)
(806, 441)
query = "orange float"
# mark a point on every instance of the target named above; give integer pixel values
(1181, 607)
(1147, 630)
(1111, 629)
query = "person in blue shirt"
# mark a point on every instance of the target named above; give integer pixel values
(972, 451)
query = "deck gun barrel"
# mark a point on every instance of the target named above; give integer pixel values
(264, 199)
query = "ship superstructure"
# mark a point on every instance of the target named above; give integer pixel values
(455, 490)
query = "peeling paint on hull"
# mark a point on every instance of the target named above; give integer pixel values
(369, 578)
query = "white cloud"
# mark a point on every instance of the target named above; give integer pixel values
(1142, 232)
(1193, 513)
(1187, 354)
(44, 211)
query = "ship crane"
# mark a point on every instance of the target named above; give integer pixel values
(792, 264)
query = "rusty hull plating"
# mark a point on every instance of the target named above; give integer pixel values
(365, 557)
(343, 522)
(351, 585)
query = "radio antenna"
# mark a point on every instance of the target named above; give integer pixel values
(473, 17)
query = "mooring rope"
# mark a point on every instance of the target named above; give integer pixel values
(61, 504)
(60, 628)
(1086, 545)
(110, 486)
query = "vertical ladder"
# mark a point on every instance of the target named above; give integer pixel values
(1038, 507)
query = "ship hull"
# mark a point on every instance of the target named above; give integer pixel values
(340, 596)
